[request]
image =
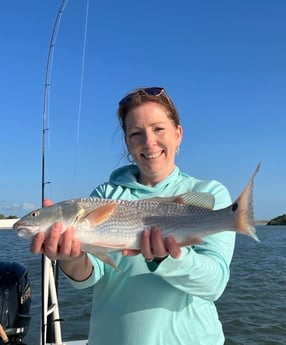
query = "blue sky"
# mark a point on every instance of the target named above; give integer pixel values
(222, 62)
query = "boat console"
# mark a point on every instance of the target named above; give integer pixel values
(15, 302)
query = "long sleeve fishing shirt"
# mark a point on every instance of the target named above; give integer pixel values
(172, 303)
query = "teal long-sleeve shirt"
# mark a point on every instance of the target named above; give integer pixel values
(173, 304)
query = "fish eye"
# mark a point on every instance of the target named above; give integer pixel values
(34, 213)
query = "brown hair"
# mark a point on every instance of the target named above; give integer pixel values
(139, 97)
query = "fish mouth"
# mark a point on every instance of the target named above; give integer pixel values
(25, 230)
(26, 233)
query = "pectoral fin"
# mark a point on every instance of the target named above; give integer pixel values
(101, 214)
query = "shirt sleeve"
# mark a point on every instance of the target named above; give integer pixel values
(97, 273)
(203, 270)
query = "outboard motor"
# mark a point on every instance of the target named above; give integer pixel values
(15, 302)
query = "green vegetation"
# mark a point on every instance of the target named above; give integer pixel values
(280, 220)
(9, 217)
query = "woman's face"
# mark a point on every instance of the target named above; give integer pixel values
(152, 139)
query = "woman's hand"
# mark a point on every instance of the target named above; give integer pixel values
(153, 245)
(56, 244)
(63, 246)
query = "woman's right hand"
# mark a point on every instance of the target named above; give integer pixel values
(63, 246)
(56, 244)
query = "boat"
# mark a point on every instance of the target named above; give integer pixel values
(13, 329)
(15, 301)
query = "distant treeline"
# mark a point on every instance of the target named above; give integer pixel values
(280, 220)
(9, 217)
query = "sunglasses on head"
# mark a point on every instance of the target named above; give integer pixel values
(150, 91)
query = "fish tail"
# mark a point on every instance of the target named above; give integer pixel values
(243, 209)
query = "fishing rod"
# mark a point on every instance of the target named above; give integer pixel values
(50, 323)
(50, 328)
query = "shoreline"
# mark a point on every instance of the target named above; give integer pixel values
(7, 223)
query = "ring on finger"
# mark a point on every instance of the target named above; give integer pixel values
(149, 260)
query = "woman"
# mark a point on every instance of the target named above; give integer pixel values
(165, 294)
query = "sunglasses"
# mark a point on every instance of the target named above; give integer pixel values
(149, 91)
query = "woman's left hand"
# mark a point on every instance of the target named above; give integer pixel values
(153, 245)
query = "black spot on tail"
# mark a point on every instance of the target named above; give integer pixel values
(234, 206)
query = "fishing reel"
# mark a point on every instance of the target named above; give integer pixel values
(15, 302)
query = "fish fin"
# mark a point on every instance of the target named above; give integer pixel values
(100, 254)
(243, 209)
(100, 214)
(190, 241)
(192, 198)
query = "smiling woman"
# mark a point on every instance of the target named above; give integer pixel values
(177, 285)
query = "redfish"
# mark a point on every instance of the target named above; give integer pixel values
(107, 225)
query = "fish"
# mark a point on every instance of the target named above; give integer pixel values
(104, 226)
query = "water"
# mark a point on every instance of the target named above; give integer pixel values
(252, 308)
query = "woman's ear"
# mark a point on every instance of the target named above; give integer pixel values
(179, 130)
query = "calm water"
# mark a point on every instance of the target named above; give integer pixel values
(252, 308)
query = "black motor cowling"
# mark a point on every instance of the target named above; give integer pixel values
(15, 301)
